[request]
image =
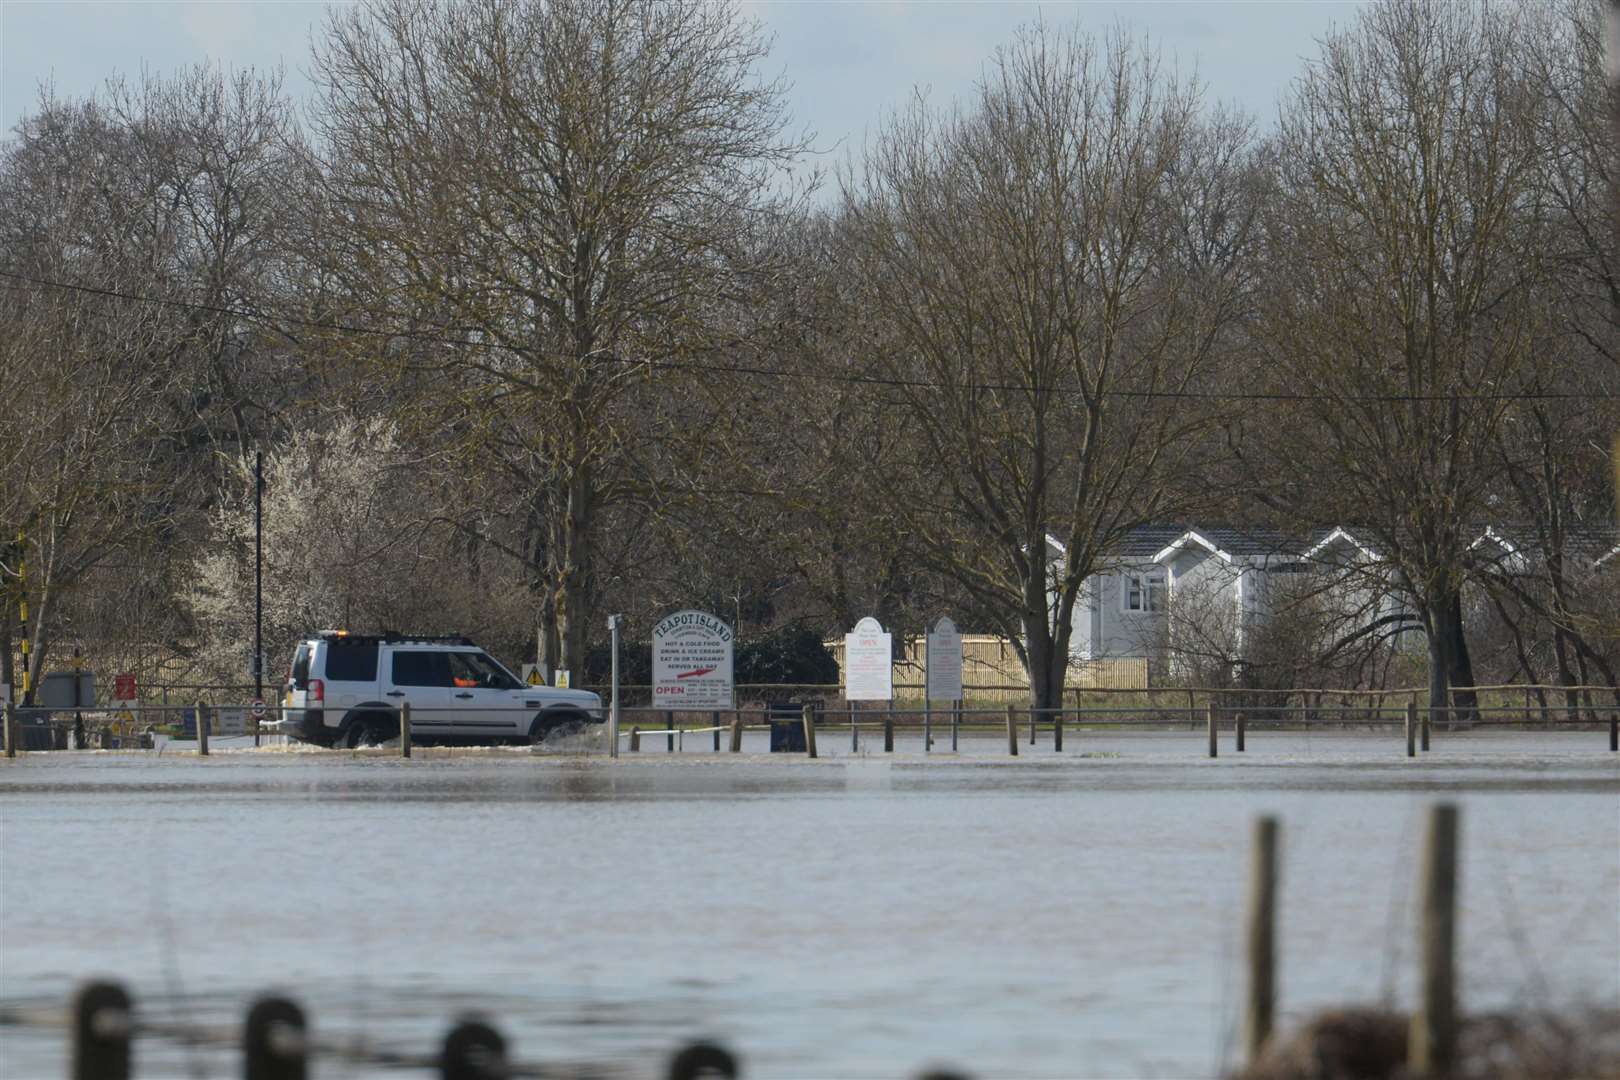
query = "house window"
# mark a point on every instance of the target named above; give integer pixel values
(1143, 592)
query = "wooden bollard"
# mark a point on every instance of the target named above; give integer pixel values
(1057, 732)
(11, 728)
(1238, 726)
(1012, 731)
(473, 1050)
(1614, 732)
(669, 726)
(275, 1041)
(103, 1022)
(702, 1059)
(405, 730)
(714, 722)
(1411, 729)
(1260, 1004)
(635, 739)
(736, 733)
(202, 730)
(1214, 750)
(888, 730)
(1423, 739)
(810, 729)
(1432, 1043)
(1033, 713)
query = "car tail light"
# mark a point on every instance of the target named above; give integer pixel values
(317, 690)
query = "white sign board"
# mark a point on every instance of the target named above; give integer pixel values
(693, 660)
(228, 721)
(868, 662)
(944, 662)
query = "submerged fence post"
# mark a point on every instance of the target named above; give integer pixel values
(1239, 724)
(274, 1042)
(1614, 732)
(1033, 713)
(11, 728)
(1432, 1043)
(714, 722)
(810, 729)
(1012, 731)
(1057, 729)
(888, 729)
(635, 738)
(736, 732)
(405, 730)
(1260, 1004)
(854, 730)
(103, 1022)
(1210, 721)
(202, 730)
(669, 726)
(1411, 728)
(1423, 739)
(473, 1050)
(956, 722)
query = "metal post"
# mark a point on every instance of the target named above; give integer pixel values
(258, 585)
(669, 728)
(103, 1022)
(274, 1041)
(1431, 1045)
(405, 730)
(613, 711)
(714, 722)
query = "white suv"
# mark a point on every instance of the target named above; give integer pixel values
(345, 690)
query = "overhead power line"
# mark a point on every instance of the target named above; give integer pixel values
(442, 337)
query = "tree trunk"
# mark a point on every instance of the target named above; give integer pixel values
(1460, 668)
(1439, 668)
(573, 595)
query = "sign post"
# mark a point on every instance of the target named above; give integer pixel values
(869, 665)
(694, 657)
(942, 670)
(613, 705)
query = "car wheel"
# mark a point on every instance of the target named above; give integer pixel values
(556, 725)
(360, 735)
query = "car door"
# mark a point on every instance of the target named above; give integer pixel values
(422, 677)
(484, 697)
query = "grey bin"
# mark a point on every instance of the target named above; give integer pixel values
(787, 728)
(35, 731)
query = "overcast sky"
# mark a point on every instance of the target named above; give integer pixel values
(849, 62)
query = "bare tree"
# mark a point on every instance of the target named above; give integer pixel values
(1041, 284)
(550, 202)
(1403, 259)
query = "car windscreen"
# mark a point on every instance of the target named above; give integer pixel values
(476, 669)
(348, 661)
(413, 668)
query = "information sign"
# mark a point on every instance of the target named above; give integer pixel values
(944, 662)
(694, 657)
(868, 662)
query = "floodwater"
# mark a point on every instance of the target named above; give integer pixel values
(863, 915)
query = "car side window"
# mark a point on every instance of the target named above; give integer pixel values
(476, 669)
(351, 662)
(412, 668)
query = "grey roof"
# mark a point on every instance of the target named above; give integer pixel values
(1146, 541)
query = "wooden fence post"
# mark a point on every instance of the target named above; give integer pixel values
(714, 722)
(1411, 728)
(405, 729)
(956, 722)
(1012, 731)
(888, 729)
(473, 1050)
(1614, 731)
(1239, 733)
(1057, 730)
(669, 726)
(274, 1043)
(1032, 715)
(1260, 1004)
(810, 729)
(1423, 738)
(102, 1025)
(202, 730)
(854, 730)
(11, 728)
(1432, 1043)
(1210, 721)
(635, 738)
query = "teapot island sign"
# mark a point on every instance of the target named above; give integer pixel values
(693, 656)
